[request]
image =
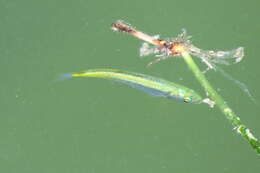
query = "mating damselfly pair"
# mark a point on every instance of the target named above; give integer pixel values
(170, 48)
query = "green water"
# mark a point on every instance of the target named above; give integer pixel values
(96, 126)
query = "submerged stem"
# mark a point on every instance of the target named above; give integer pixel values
(219, 101)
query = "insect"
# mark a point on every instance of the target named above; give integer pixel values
(170, 48)
(148, 84)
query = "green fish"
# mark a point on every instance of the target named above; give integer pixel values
(149, 84)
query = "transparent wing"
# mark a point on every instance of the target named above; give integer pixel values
(210, 57)
(226, 57)
(146, 50)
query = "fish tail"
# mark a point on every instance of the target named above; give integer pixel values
(65, 76)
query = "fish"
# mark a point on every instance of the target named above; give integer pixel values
(151, 85)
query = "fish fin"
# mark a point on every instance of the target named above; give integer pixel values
(147, 90)
(65, 76)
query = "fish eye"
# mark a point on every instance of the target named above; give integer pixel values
(187, 100)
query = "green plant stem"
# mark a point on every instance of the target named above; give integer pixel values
(219, 101)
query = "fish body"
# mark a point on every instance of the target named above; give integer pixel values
(149, 84)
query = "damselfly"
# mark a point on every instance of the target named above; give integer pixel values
(169, 48)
